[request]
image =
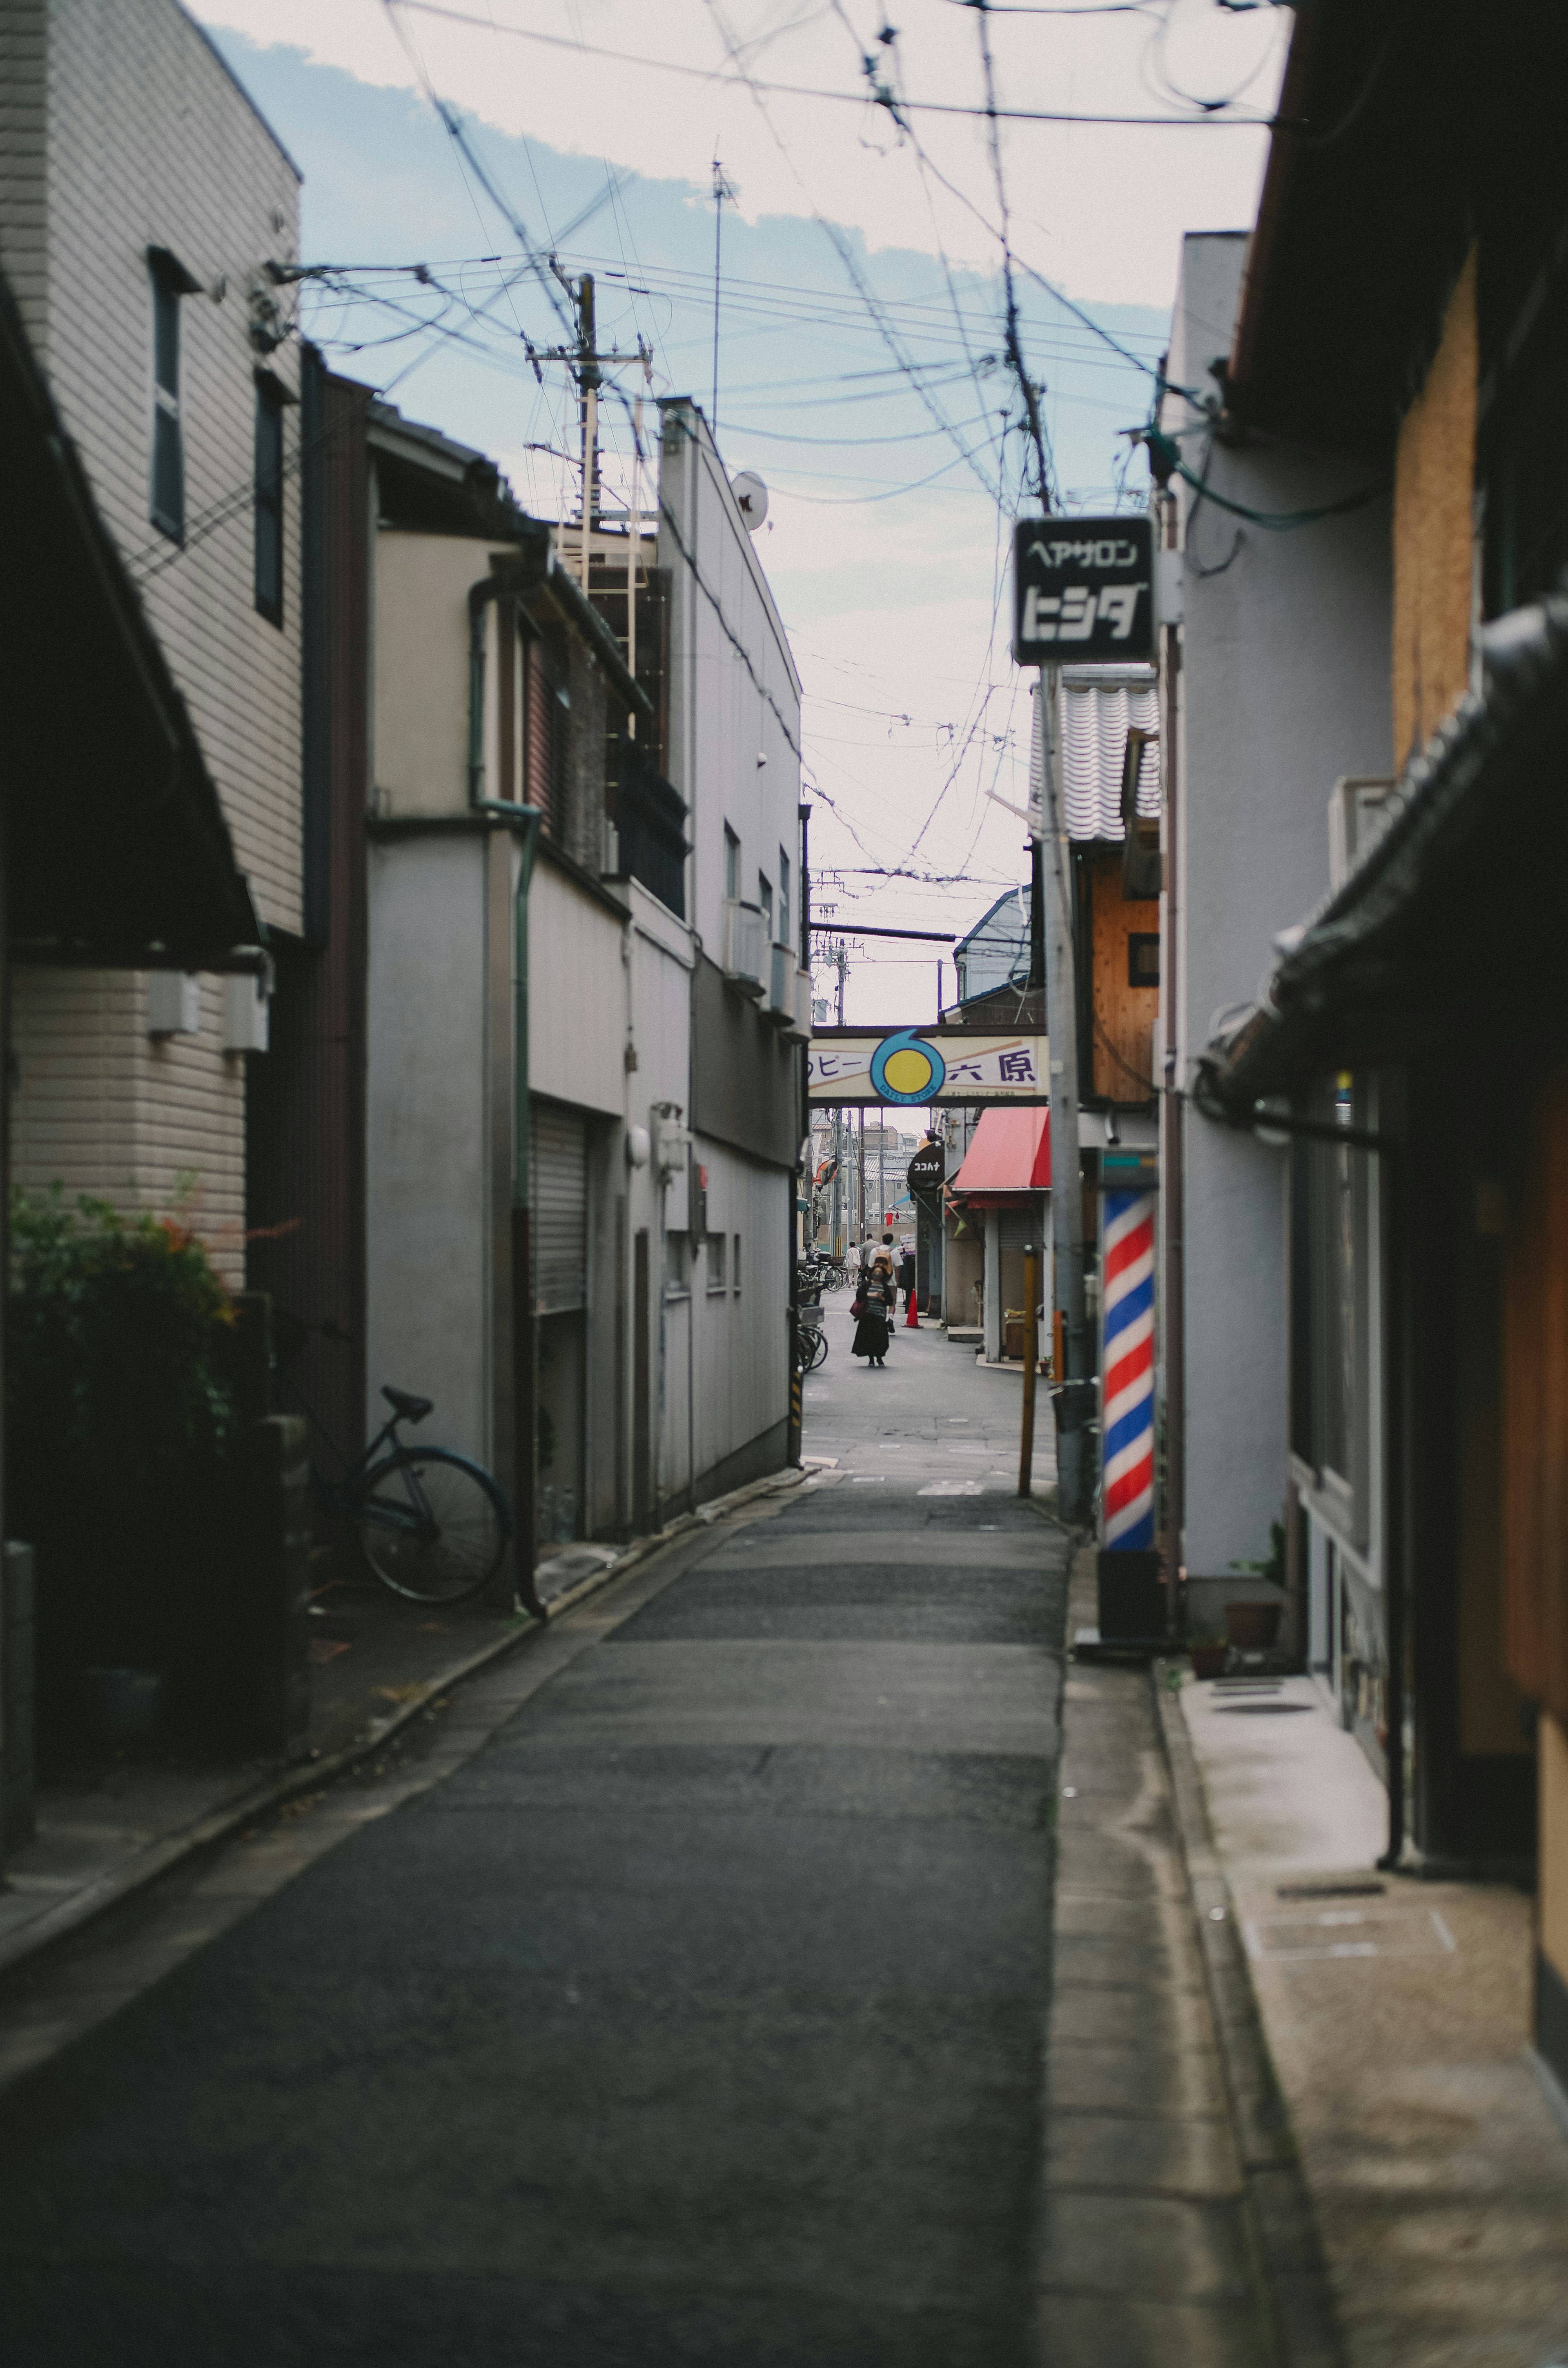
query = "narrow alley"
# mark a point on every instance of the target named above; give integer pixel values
(686, 1999)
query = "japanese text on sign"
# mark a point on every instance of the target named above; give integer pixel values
(1084, 590)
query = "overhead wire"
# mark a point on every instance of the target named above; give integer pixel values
(1202, 122)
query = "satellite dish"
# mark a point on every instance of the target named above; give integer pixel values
(751, 498)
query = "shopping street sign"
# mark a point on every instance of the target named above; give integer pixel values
(1084, 590)
(916, 1066)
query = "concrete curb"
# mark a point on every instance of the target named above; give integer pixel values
(1277, 2202)
(311, 1775)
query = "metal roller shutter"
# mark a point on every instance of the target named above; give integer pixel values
(558, 1225)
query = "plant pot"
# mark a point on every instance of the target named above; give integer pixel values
(122, 1705)
(1253, 1627)
(1208, 1661)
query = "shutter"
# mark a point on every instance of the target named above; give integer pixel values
(1020, 1227)
(558, 1217)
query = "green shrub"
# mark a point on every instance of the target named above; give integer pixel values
(119, 1417)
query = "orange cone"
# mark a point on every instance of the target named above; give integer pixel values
(910, 1322)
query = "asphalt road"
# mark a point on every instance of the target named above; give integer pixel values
(698, 2016)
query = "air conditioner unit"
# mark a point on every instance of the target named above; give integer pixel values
(1359, 809)
(246, 1012)
(174, 1002)
(745, 944)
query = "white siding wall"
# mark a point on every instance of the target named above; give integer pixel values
(122, 129)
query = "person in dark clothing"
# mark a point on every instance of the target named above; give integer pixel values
(874, 1306)
(906, 1277)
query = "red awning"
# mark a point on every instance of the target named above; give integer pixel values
(1008, 1153)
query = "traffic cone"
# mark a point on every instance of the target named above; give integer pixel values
(910, 1322)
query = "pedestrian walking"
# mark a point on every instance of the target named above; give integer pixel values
(872, 1308)
(906, 1278)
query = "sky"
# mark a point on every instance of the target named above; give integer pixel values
(861, 356)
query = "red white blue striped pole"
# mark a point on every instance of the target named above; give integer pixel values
(1127, 1372)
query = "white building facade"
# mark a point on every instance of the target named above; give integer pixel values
(1269, 615)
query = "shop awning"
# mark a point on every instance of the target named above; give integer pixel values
(1010, 1152)
(116, 850)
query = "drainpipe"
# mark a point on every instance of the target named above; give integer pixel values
(524, 821)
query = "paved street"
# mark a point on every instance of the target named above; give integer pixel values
(698, 2015)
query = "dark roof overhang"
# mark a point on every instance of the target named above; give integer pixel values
(1363, 217)
(1451, 926)
(116, 850)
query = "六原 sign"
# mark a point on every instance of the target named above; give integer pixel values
(921, 1066)
(1082, 589)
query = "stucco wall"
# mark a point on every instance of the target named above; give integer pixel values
(720, 722)
(427, 1233)
(1284, 687)
(422, 678)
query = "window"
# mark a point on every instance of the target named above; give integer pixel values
(717, 1246)
(735, 1269)
(269, 402)
(765, 898)
(677, 1265)
(731, 863)
(167, 508)
(1332, 1220)
(1143, 958)
(784, 912)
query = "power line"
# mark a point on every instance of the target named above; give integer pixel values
(1201, 123)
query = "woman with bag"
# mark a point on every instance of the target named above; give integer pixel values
(872, 1308)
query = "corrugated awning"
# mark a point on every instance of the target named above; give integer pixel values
(116, 852)
(1099, 706)
(1008, 1153)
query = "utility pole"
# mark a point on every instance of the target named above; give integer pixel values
(840, 959)
(587, 364)
(589, 381)
(1054, 871)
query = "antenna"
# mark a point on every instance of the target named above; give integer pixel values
(722, 187)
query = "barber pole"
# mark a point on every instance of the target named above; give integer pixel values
(1127, 1369)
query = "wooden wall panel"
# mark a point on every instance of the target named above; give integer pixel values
(1535, 1408)
(1123, 1016)
(1433, 531)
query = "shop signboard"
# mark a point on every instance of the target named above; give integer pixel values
(917, 1067)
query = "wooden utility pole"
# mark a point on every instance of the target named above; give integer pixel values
(589, 380)
(1075, 1474)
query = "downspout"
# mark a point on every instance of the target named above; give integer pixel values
(524, 821)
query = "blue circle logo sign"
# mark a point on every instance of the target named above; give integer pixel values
(905, 1069)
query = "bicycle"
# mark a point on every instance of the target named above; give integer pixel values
(808, 1345)
(431, 1525)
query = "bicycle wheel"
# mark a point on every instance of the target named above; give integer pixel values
(819, 1352)
(431, 1525)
